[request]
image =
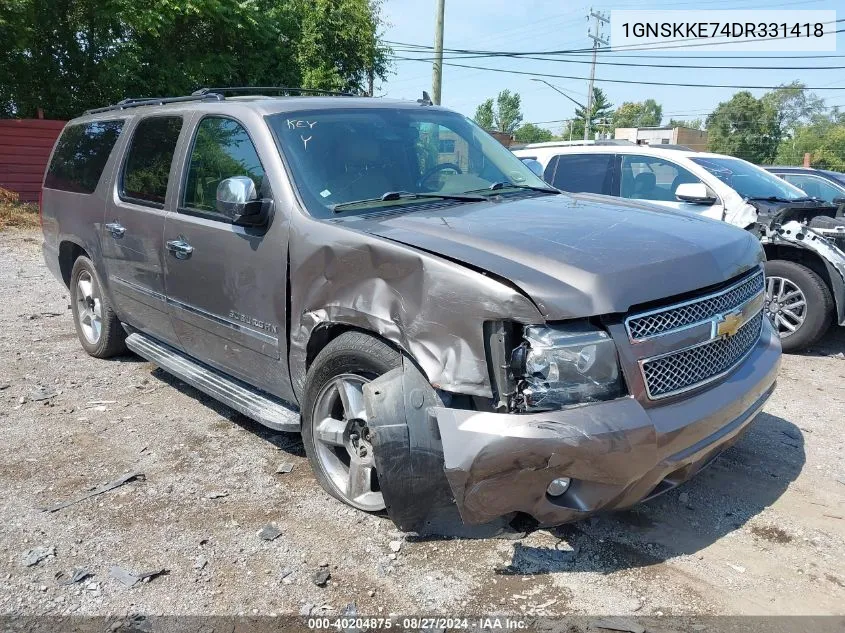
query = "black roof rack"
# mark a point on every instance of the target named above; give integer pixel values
(148, 101)
(215, 94)
(274, 89)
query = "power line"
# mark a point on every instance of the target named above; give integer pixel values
(682, 43)
(601, 63)
(621, 81)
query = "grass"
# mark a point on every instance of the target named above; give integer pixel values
(16, 214)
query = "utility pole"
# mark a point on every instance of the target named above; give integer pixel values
(437, 67)
(596, 36)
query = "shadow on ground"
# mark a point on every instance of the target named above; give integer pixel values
(737, 486)
(289, 442)
(831, 343)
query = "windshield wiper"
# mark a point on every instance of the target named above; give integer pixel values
(779, 199)
(390, 196)
(506, 184)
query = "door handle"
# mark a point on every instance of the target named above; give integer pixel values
(180, 248)
(116, 229)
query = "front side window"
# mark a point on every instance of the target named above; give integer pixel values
(651, 178)
(815, 187)
(222, 149)
(81, 155)
(147, 168)
(348, 159)
(748, 180)
(584, 173)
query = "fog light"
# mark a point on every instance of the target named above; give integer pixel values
(558, 486)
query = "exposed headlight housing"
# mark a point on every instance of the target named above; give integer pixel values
(562, 365)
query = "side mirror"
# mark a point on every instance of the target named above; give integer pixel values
(238, 200)
(695, 193)
(839, 200)
(534, 165)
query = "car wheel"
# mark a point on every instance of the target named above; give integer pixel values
(98, 328)
(798, 303)
(335, 432)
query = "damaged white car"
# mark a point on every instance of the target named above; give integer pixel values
(803, 239)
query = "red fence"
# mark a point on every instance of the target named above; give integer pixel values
(25, 146)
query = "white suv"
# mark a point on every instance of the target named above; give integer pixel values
(804, 242)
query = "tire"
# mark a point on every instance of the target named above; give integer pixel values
(818, 303)
(337, 442)
(97, 327)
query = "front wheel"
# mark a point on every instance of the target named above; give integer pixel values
(335, 430)
(798, 303)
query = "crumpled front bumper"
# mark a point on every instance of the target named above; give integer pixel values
(616, 453)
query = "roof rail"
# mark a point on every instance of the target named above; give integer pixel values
(275, 89)
(146, 101)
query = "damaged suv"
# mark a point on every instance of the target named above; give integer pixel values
(456, 341)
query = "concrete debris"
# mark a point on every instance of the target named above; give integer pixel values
(78, 575)
(305, 609)
(97, 491)
(284, 468)
(101, 402)
(839, 355)
(269, 532)
(395, 546)
(4, 385)
(42, 393)
(618, 624)
(200, 563)
(683, 497)
(129, 579)
(737, 568)
(538, 560)
(32, 557)
(217, 494)
(321, 577)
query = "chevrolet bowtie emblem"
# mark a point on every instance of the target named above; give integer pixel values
(727, 325)
(730, 324)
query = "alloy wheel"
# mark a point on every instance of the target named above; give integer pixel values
(786, 305)
(342, 442)
(89, 307)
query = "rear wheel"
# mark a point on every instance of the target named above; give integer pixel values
(335, 431)
(798, 303)
(97, 326)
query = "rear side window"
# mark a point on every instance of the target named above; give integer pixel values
(81, 155)
(147, 167)
(590, 173)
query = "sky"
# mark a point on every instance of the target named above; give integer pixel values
(532, 25)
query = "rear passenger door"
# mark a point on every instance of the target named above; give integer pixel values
(226, 284)
(583, 173)
(134, 224)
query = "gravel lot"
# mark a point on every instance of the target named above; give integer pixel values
(762, 531)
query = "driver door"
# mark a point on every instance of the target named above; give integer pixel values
(226, 284)
(656, 180)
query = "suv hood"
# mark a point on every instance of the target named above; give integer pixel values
(577, 255)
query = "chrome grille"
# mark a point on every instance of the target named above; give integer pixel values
(694, 366)
(695, 311)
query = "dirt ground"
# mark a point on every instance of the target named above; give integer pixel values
(762, 531)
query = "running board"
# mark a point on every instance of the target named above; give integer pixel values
(254, 404)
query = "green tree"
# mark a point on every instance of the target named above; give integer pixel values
(823, 139)
(530, 133)
(646, 113)
(504, 116)
(602, 112)
(64, 56)
(484, 115)
(745, 127)
(794, 105)
(694, 124)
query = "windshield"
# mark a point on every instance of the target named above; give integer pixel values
(356, 155)
(748, 180)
